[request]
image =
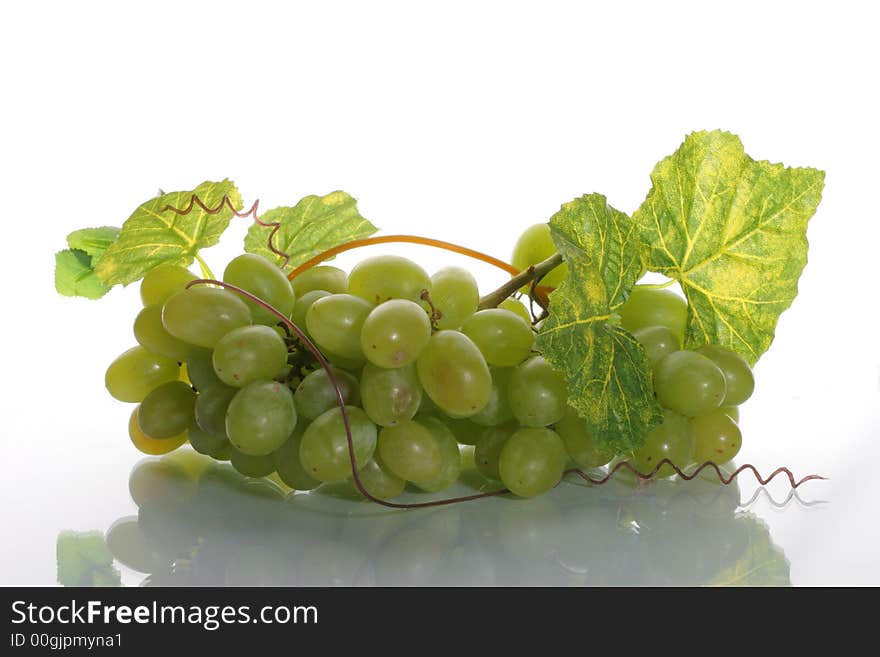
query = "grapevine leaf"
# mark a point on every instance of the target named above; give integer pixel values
(761, 564)
(313, 225)
(84, 560)
(608, 374)
(75, 277)
(93, 241)
(153, 235)
(732, 231)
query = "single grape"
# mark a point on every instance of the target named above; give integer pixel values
(533, 246)
(330, 279)
(260, 417)
(152, 446)
(497, 410)
(167, 411)
(390, 396)
(163, 281)
(379, 481)
(200, 368)
(503, 338)
(203, 315)
(449, 451)
(211, 406)
(324, 450)
(537, 393)
(532, 461)
(152, 336)
(648, 306)
(579, 442)
(252, 466)
(454, 374)
(465, 430)
(732, 412)
(673, 440)
(381, 278)
(455, 295)
(301, 308)
(207, 443)
(395, 333)
(289, 467)
(249, 353)
(717, 437)
(518, 308)
(689, 383)
(254, 274)
(488, 448)
(315, 394)
(335, 323)
(658, 342)
(737, 373)
(410, 451)
(136, 372)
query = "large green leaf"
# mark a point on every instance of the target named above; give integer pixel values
(152, 235)
(313, 225)
(732, 232)
(84, 560)
(607, 371)
(74, 270)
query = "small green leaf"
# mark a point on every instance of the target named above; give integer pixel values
(312, 226)
(153, 235)
(732, 232)
(761, 563)
(84, 560)
(74, 276)
(93, 241)
(608, 374)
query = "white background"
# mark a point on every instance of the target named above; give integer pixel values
(465, 121)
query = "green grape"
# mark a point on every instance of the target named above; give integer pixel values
(658, 342)
(533, 246)
(732, 412)
(211, 406)
(203, 315)
(200, 368)
(162, 281)
(689, 383)
(449, 451)
(381, 278)
(380, 481)
(315, 394)
(148, 445)
(249, 353)
(410, 451)
(289, 467)
(497, 410)
(168, 410)
(335, 323)
(488, 448)
(152, 336)
(737, 374)
(518, 308)
(537, 393)
(301, 308)
(465, 430)
(204, 442)
(648, 306)
(324, 450)
(136, 372)
(454, 374)
(251, 466)
(455, 295)
(394, 333)
(254, 274)
(323, 277)
(260, 417)
(717, 437)
(673, 440)
(579, 442)
(390, 396)
(502, 337)
(532, 461)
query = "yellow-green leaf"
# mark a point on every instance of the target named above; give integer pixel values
(313, 225)
(607, 371)
(761, 563)
(74, 276)
(732, 231)
(153, 235)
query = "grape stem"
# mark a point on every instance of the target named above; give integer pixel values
(533, 274)
(206, 270)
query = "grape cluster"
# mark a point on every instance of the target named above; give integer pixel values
(421, 369)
